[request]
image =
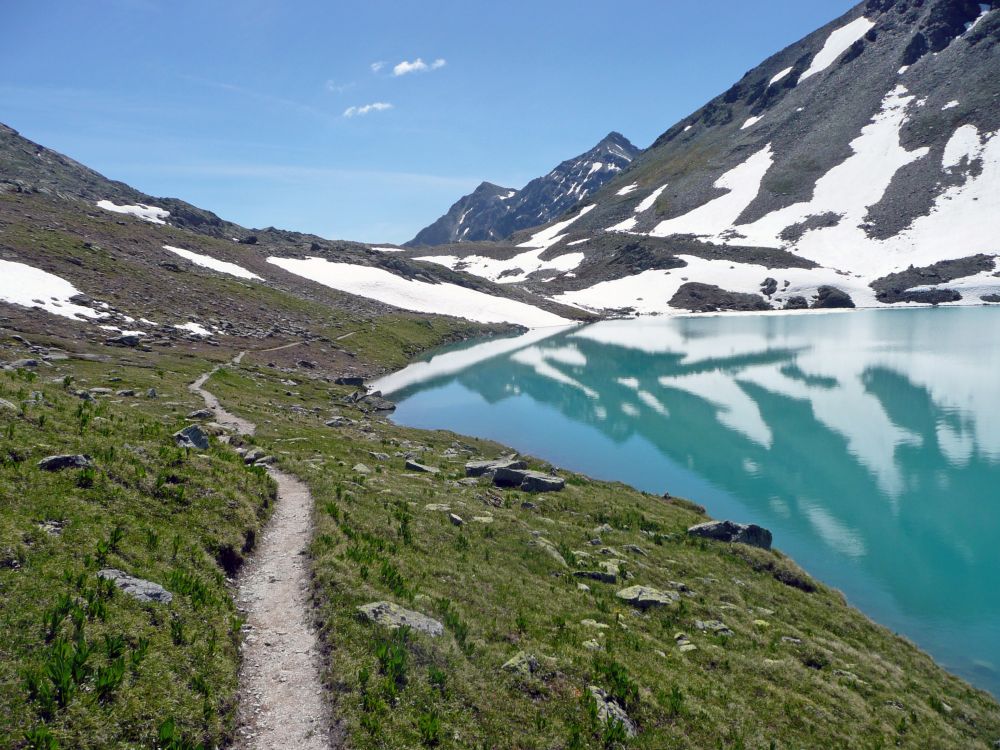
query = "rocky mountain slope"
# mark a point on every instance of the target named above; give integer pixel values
(859, 166)
(494, 213)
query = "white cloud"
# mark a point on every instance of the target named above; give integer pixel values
(337, 88)
(417, 66)
(364, 109)
(377, 66)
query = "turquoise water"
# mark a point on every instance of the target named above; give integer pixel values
(868, 442)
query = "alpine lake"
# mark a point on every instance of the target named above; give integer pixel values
(868, 441)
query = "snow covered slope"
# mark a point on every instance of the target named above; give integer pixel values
(870, 146)
(495, 213)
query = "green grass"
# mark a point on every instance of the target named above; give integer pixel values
(82, 665)
(801, 668)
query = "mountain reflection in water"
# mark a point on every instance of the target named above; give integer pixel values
(868, 442)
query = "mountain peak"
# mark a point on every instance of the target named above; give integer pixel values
(492, 212)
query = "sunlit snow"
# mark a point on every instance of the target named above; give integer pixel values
(148, 213)
(24, 285)
(837, 44)
(207, 261)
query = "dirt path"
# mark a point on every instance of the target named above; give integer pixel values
(281, 697)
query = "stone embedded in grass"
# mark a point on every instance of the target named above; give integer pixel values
(550, 549)
(438, 507)
(527, 481)
(139, 589)
(483, 468)
(521, 664)
(58, 463)
(361, 469)
(730, 531)
(337, 422)
(393, 616)
(455, 519)
(192, 436)
(201, 414)
(609, 711)
(412, 465)
(5, 404)
(597, 575)
(713, 626)
(644, 597)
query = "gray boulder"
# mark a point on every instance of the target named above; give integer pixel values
(521, 664)
(488, 467)
(528, 481)
(730, 531)
(140, 590)
(58, 463)
(355, 381)
(609, 711)
(643, 597)
(412, 465)
(5, 404)
(393, 616)
(201, 414)
(192, 437)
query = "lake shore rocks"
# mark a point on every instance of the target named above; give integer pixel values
(527, 480)
(490, 467)
(729, 531)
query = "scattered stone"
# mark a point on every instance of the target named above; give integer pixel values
(548, 548)
(100, 391)
(609, 711)
(379, 456)
(438, 507)
(597, 575)
(412, 465)
(337, 422)
(730, 531)
(602, 529)
(790, 639)
(253, 455)
(635, 550)
(361, 469)
(201, 414)
(582, 587)
(483, 468)
(125, 393)
(592, 645)
(594, 623)
(796, 303)
(714, 626)
(5, 404)
(305, 364)
(683, 644)
(483, 519)
(126, 340)
(139, 589)
(455, 520)
(644, 597)
(521, 664)
(58, 463)
(393, 616)
(352, 381)
(151, 393)
(192, 436)
(527, 481)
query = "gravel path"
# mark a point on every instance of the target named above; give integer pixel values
(281, 701)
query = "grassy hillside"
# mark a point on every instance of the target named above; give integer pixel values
(798, 667)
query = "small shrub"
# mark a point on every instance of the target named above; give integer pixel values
(429, 726)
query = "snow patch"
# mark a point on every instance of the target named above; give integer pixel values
(196, 328)
(151, 214)
(950, 105)
(963, 144)
(837, 44)
(751, 121)
(26, 286)
(206, 261)
(780, 76)
(390, 249)
(628, 189)
(419, 296)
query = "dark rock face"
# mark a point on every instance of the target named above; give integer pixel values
(353, 381)
(796, 303)
(527, 481)
(488, 468)
(412, 465)
(896, 287)
(58, 463)
(990, 298)
(730, 531)
(492, 212)
(698, 297)
(829, 297)
(192, 437)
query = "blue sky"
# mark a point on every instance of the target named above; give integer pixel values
(244, 108)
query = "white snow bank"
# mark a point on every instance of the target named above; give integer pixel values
(751, 121)
(644, 205)
(402, 249)
(628, 189)
(950, 105)
(419, 296)
(196, 328)
(780, 76)
(743, 184)
(837, 44)
(963, 144)
(148, 213)
(206, 261)
(551, 235)
(24, 285)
